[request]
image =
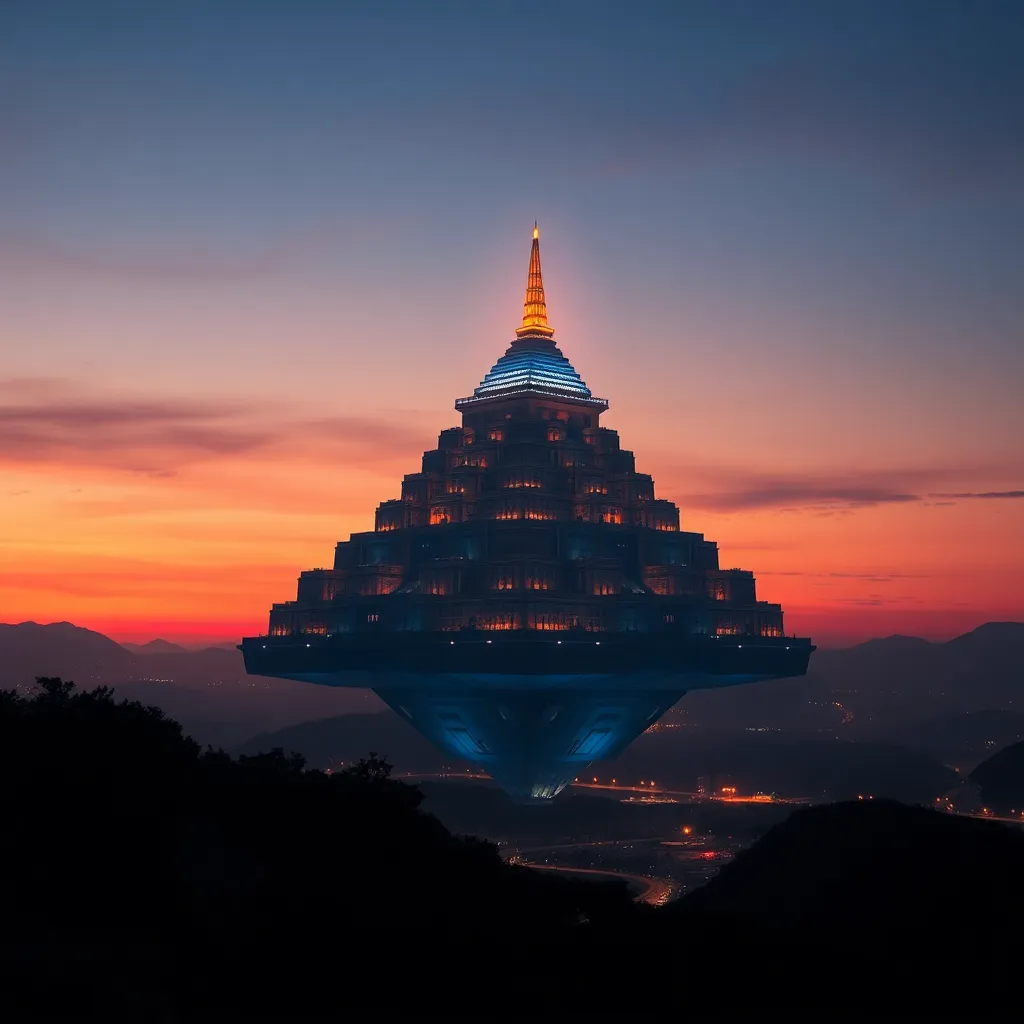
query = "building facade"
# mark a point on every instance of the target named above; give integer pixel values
(530, 525)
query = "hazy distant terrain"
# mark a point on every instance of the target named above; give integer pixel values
(956, 700)
(207, 691)
(841, 728)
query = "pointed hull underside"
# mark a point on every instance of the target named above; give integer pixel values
(503, 706)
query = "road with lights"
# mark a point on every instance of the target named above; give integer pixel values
(655, 892)
(644, 788)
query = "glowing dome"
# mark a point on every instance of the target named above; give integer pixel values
(536, 365)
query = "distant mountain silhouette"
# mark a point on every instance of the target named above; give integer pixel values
(30, 649)
(155, 647)
(208, 691)
(867, 691)
(973, 672)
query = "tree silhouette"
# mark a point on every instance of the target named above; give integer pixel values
(370, 769)
(120, 830)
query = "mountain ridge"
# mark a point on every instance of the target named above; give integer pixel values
(157, 646)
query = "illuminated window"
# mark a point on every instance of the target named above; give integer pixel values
(373, 617)
(553, 621)
(728, 631)
(611, 515)
(315, 630)
(467, 436)
(596, 487)
(280, 631)
(372, 585)
(771, 631)
(517, 480)
(670, 618)
(718, 590)
(498, 621)
(563, 415)
(496, 435)
(538, 513)
(436, 587)
(537, 578)
(440, 515)
(503, 581)
(603, 589)
(554, 434)
(456, 487)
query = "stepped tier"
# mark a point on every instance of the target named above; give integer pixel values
(528, 603)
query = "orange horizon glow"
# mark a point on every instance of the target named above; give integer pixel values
(184, 515)
(201, 550)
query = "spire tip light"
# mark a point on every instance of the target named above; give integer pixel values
(535, 310)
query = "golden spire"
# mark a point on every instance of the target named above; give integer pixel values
(535, 310)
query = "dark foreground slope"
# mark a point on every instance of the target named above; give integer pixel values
(148, 879)
(1001, 779)
(139, 868)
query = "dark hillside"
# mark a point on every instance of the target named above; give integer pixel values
(856, 864)
(1001, 778)
(125, 837)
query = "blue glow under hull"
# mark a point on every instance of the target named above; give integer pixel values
(502, 705)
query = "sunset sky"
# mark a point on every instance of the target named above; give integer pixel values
(250, 253)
